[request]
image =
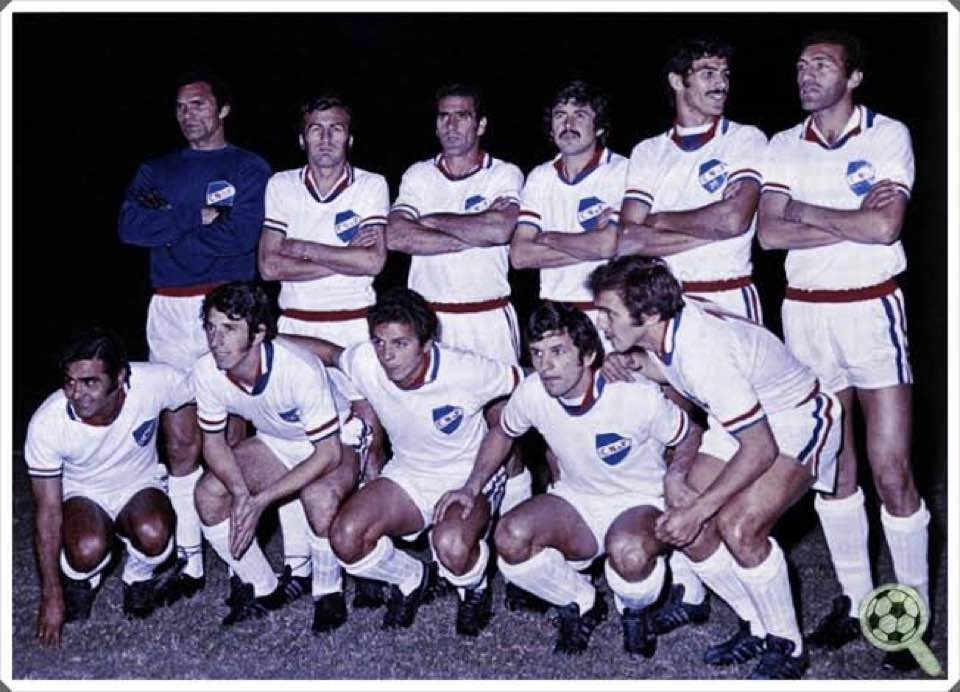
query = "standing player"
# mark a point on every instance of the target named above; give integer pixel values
(199, 211)
(609, 441)
(296, 452)
(323, 240)
(774, 435)
(91, 454)
(691, 196)
(564, 227)
(835, 193)
(431, 400)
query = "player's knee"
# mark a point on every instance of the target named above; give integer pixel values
(741, 530)
(210, 497)
(182, 444)
(321, 503)
(347, 537)
(87, 552)
(512, 540)
(151, 535)
(631, 555)
(451, 547)
(895, 486)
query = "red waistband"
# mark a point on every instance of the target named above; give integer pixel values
(716, 286)
(847, 295)
(185, 291)
(478, 306)
(325, 315)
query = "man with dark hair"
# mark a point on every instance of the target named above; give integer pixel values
(199, 211)
(773, 435)
(296, 452)
(91, 454)
(323, 240)
(565, 227)
(431, 400)
(609, 440)
(835, 192)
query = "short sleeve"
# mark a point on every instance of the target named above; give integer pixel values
(746, 155)
(532, 202)
(492, 379)
(774, 171)
(725, 391)
(375, 202)
(507, 184)
(276, 215)
(315, 402)
(668, 423)
(410, 200)
(641, 180)
(211, 408)
(896, 151)
(41, 453)
(514, 419)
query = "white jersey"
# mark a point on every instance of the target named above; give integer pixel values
(675, 172)
(105, 458)
(734, 369)
(291, 399)
(471, 275)
(800, 164)
(435, 428)
(610, 443)
(295, 208)
(552, 203)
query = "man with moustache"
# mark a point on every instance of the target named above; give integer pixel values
(835, 192)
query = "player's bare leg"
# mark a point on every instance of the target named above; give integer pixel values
(87, 539)
(182, 440)
(146, 526)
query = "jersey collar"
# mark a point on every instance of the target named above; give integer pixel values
(668, 345)
(694, 140)
(486, 161)
(265, 366)
(860, 119)
(343, 182)
(428, 368)
(600, 155)
(578, 408)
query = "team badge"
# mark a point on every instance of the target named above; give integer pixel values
(447, 418)
(713, 174)
(860, 177)
(475, 204)
(588, 210)
(291, 416)
(220, 193)
(612, 448)
(144, 432)
(346, 224)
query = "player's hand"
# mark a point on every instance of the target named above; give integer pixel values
(619, 367)
(553, 466)
(881, 194)
(244, 517)
(151, 199)
(209, 214)
(462, 496)
(50, 620)
(677, 492)
(679, 526)
(501, 203)
(365, 237)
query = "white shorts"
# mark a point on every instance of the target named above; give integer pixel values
(600, 511)
(175, 331)
(345, 333)
(859, 344)
(810, 433)
(518, 489)
(113, 501)
(744, 301)
(425, 490)
(292, 452)
(491, 333)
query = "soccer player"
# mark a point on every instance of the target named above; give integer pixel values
(835, 193)
(609, 440)
(430, 399)
(296, 452)
(564, 227)
(91, 453)
(199, 211)
(691, 196)
(774, 435)
(323, 240)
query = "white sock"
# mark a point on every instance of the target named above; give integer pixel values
(636, 595)
(549, 576)
(93, 575)
(296, 537)
(907, 539)
(769, 587)
(189, 532)
(845, 528)
(252, 567)
(683, 574)
(327, 574)
(717, 573)
(386, 563)
(139, 567)
(472, 578)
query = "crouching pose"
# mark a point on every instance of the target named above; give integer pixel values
(296, 452)
(609, 441)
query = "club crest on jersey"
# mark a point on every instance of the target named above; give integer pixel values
(447, 418)
(291, 416)
(220, 193)
(612, 448)
(588, 210)
(144, 432)
(474, 204)
(860, 177)
(345, 224)
(713, 174)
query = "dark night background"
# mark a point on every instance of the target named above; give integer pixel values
(93, 98)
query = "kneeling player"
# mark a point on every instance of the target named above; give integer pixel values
(296, 452)
(91, 454)
(609, 440)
